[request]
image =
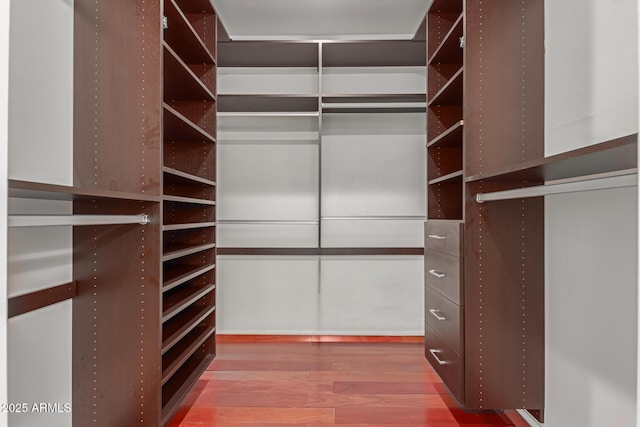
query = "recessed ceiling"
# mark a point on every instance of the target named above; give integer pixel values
(321, 19)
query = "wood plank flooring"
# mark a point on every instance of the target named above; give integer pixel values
(319, 384)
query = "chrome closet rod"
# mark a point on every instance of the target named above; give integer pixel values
(375, 218)
(265, 221)
(629, 180)
(71, 220)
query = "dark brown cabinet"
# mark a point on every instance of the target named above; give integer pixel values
(484, 263)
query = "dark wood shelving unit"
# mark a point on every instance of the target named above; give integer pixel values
(390, 53)
(188, 197)
(610, 156)
(248, 103)
(448, 138)
(174, 175)
(182, 274)
(177, 127)
(39, 190)
(179, 326)
(183, 38)
(450, 177)
(180, 82)
(449, 51)
(178, 300)
(451, 92)
(485, 137)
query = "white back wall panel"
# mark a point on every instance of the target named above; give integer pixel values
(40, 361)
(374, 80)
(273, 80)
(591, 308)
(41, 91)
(591, 95)
(591, 81)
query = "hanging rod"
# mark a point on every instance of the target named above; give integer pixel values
(267, 221)
(374, 218)
(268, 114)
(620, 181)
(372, 105)
(57, 220)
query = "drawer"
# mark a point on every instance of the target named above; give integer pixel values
(445, 318)
(443, 273)
(443, 236)
(448, 365)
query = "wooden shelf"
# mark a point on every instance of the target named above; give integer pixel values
(182, 37)
(191, 226)
(389, 53)
(196, 6)
(451, 92)
(180, 353)
(38, 190)
(178, 128)
(176, 276)
(451, 177)
(186, 177)
(178, 327)
(180, 82)
(451, 137)
(182, 299)
(174, 391)
(184, 250)
(267, 103)
(449, 50)
(610, 156)
(193, 200)
(445, 6)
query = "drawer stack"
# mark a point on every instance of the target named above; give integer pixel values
(444, 302)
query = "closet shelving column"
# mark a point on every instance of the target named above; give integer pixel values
(445, 77)
(188, 197)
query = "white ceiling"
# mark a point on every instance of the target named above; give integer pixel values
(321, 19)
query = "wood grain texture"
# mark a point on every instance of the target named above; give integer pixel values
(311, 384)
(227, 338)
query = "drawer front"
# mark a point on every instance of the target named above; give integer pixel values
(448, 365)
(442, 273)
(445, 318)
(443, 236)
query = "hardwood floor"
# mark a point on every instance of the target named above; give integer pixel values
(269, 384)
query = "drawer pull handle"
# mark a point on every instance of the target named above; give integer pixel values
(437, 273)
(435, 314)
(435, 356)
(437, 237)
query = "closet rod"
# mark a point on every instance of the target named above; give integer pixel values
(620, 181)
(266, 221)
(372, 105)
(375, 218)
(268, 114)
(56, 220)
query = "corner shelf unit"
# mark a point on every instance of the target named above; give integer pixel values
(187, 318)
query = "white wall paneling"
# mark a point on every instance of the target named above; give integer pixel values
(4, 134)
(591, 95)
(40, 148)
(352, 295)
(273, 80)
(373, 80)
(41, 109)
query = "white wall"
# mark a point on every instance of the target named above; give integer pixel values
(4, 122)
(591, 238)
(40, 149)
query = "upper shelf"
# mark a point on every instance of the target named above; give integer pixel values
(449, 50)
(446, 6)
(611, 156)
(451, 92)
(366, 103)
(183, 38)
(38, 190)
(180, 82)
(374, 53)
(273, 103)
(267, 54)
